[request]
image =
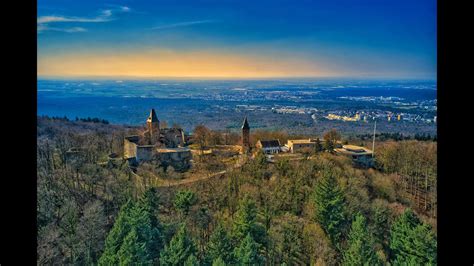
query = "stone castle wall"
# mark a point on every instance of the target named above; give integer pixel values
(129, 149)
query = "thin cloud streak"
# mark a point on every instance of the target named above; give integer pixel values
(42, 28)
(183, 24)
(105, 16)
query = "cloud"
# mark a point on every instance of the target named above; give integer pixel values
(104, 16)
(42, 28)
(183, 24)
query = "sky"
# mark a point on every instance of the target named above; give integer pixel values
(237, 39)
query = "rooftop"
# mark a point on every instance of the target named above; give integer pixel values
(270, 143)
(354, 150)
(245, 125)
(152, 117)
(300, 141)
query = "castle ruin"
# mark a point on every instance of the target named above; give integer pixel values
(162, 146)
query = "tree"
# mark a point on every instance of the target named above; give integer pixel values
(381, 221)
(360, 245)
(201, 136)
(183, 201)
(329, 201)
(245, 222)
(149, 203)
(179, 249)
(412, 242)
(92, 231)
(116, 236)
(136, 217)
(331, 138)
(133, 251)
(318, 147)
(287, 240)
(247, 252)
(218, 262)
(258, 166)
(191, 261)
(220, 246)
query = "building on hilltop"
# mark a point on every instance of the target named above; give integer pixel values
(361, 156)
(269, 146)
(298, 145)
(245, 136)
(162, 146)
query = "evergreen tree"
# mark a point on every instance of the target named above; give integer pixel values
(329, 200)
(360, 245)
(191, 261)
(183, 201)
(247, 252)
(412, 242)
(245, 222)
(220, 246)
(149, 204)
(116, 236)
(381, 224)
(133, 251)
(179, 249)
(139, 218)
(218, 262)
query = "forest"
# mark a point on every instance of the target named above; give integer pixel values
(321, 210)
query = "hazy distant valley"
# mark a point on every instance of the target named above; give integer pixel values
(296, 106)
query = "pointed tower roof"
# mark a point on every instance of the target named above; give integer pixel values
(152, 117)
(245, 125)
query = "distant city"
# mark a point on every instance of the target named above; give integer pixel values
(296, 106)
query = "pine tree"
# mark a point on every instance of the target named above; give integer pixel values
(191, 261)
(220, 246)
(139, 218)
(149, 204)
(247, 252)
(116, 236)
(360, 245)
(218, 262)
(133, 251)
(329, 200)
(245, 222)
(381, 224)
(183, 201)
(412, 242)
(179, 249)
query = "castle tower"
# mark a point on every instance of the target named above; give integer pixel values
(153, 127)
(245, 136)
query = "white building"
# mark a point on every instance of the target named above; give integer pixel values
(269, 146)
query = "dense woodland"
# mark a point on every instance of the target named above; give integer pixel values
(320, 210)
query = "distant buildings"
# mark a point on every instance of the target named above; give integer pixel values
(343, 118)
(269, 146)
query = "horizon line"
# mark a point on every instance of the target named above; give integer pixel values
(131, 78)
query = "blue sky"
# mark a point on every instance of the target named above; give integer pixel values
(384, 38)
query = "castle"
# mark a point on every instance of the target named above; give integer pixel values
(162, 146)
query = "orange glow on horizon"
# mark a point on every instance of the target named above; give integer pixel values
(165, 63)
